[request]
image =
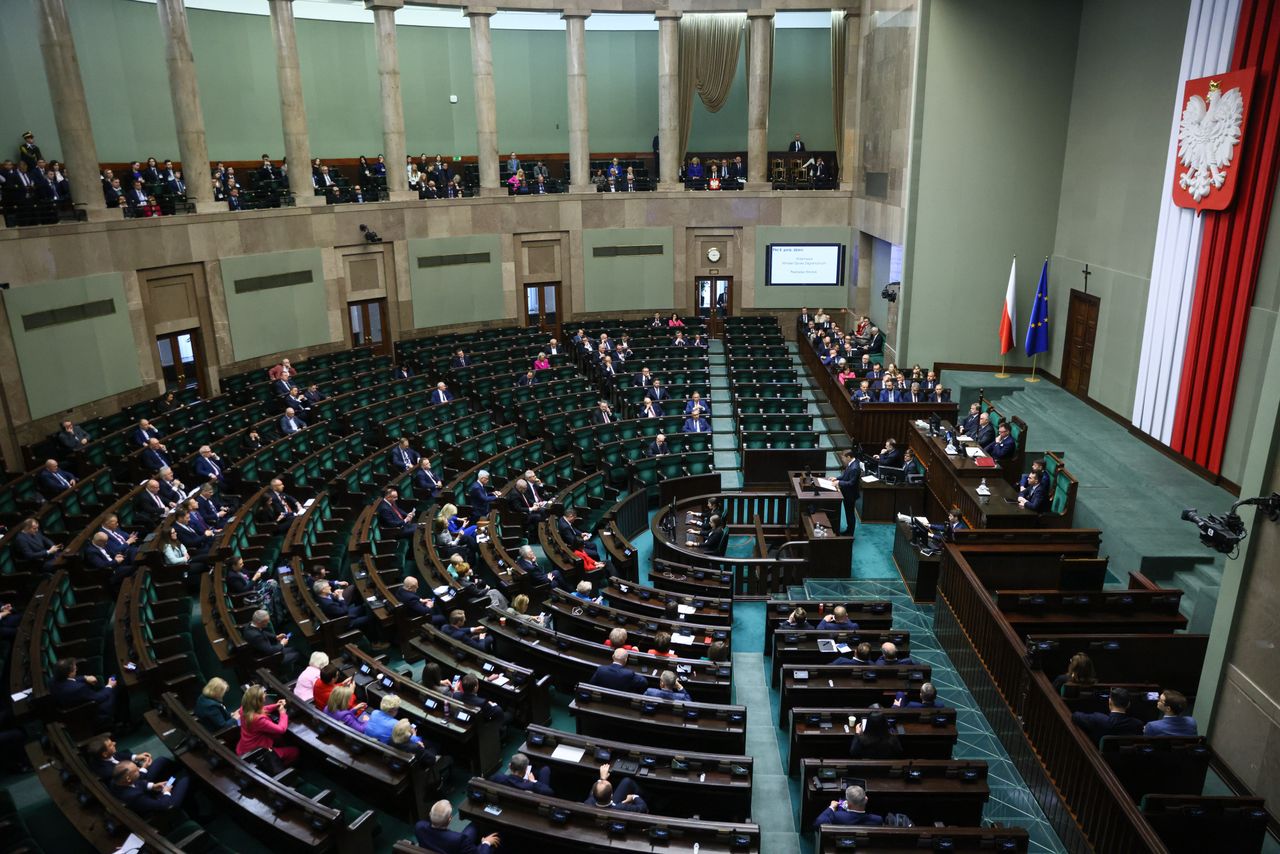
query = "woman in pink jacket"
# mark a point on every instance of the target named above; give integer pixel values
(257, 729)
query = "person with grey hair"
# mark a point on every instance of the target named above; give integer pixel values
(481, 496)
(265, 641)
(852, 810)
(171, 489)
(520, 775)
(436, 835)
(523, 499)
(528, 563)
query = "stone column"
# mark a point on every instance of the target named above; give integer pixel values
(759, 75)
(486, 97)
(70, 110)
(184, 91)
(668, 99)
(575, 28)
(293, 112)
(384, 26)
(849, 144)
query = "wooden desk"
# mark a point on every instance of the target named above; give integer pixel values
(769, 467)
(828, 501)
(652, 602)
(882, 502)
(929, 790)
(886, 840)
(525, 694)
(830, 555)
(617, 714)
(924, 733)
(801, 647)
(953, 480)
(919, 571)
(868, 614)
(830, 685)
(714, 785)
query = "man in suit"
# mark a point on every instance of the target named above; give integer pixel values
(113, 193)
(28, 151)
(1115, 721)
(889, 456)
(403, 457)
(119, 541)
(111, 568)
(851, 811)
(457, 629)
(267, 172)
(527, 379)
(394, 520)
(52, 480)
(863, 393)
(147, 795)
(985, 434)
(145, 433)
(295, 399)
(875, 343)
(103, 756)
(608, 373)
(324, 181)
(282, 387)
(137, 196)
(626, 797)
(861, 657)
(513, 164)
(1003, 446)
(1035, 495)
(850, 484)
(696, 423)
(290, 422)
(659, 447)
(972, 421)
(649, 409)
(210, 510)
(889, 656)
(539, 187)
(522, 500)
(574, 538)
(617, 677)
(603, 414)
(313, 395)
(658, 392)
(696, 402)
(407, 595)
(528, 563)
(328, 603)
(149, 507)
(890, 393)
(796, 144)
(915, 395)
(72, 438)
(233, 200)
(197, 544)
(265, 640)
(32, 548)
(155, 456)
(520, 775)
(1037, 466)
(717, 539)
(644, 379)
(435, 834)
(426, 483)
(172, 490)
(481, 496)
(460, 360)
(69, 690)
(928, 699)
(441, 394)
(1174, 721)
(174, 183)
(838, 619)
(208, 466)
(282, 506)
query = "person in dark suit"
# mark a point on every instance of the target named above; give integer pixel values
(441, 394)
(838, 619)
(875, 344)
(861, 657)
(796, 144)
(669, 687)
(155, 456)
(280, 505)
(327, 601)
(53, 480)
(649, 409)
(103, 757)
(1003, 446)
(928, 699)
(291, 422)
(1174, 719)
(460, 360)
(658, 392)
(265, 640)
(696, 423)
(435, 834)
(873, 739)
(72, 438)
(111, 568)
(150, 507)
(457, 629)
(426, 483)
(574, 538)
(616, 676)
(520, 775)
(522, 500)
(295, 399)
(717, 538)
(403, 457)
(626, 797)
(1035, 495)
(407, 594)
(481, 496)
(469, 693)
(985, 434)
(401, 372)
(889, 455)
(281, 387)
(1037, 466)
(972, 421)
(233, 200)
(603, 414)
(851, 811)
(119, 541)
(208, 466)
(528, 563)
(889, 656)
(696, 402)
(889, 393)
(172, 490)
(850, 484)
(69, 690)
(658, 447)
(644, 379)
(32, 548)
(394, 520)
(1115, 721)
(144, 796)
(197, 544)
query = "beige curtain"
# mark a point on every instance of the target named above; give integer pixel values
(838, 36)
(709, 46)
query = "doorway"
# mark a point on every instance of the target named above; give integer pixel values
(1077, 352)
(714, 300)
(369, 325)
(542, 308)
(181, 363)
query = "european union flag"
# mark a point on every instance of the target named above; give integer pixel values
(1038, 328)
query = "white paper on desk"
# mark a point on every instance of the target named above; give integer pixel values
(132, 844)
(966, 439)
(499, 680)
(826, 645)
(870, 478)
(923, 520)
(681, 608)
(568, 753)
(921, 423)
(973, 451)
(826, 483)
(20, 696)
(983, 490)
(441, 590)
(308, 503)
(843, 647)
(684, 639)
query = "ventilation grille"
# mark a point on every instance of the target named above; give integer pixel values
(453, 260)
(279, 280)
(69, 314)
(623, 251)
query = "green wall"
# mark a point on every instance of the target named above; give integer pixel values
(628, 282)
(278, 319)
(69, 364)
(990, 127)
(459, 293)
(1126, 75)
(122, 60)
(790, 296)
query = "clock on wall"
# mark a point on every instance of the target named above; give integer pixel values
(713, 255)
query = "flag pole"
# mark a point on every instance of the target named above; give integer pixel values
(1002, 375)
(1033, 378)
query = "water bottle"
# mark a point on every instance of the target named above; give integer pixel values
(983, 485)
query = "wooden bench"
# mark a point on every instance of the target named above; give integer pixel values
(594, 621)
(833, 839)
(1173, 661)
(1196, 823)
(800, 646)
(652, 720)
(520, 690)
(949, 791)
(1127, 611)
(648, 601)
(868, 614)
(1157, 765)
(825, 732)
(814, 686)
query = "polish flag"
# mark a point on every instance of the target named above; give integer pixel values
(1009, 316)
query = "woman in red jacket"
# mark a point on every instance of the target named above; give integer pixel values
(257, 729)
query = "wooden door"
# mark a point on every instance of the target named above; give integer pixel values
(181, 362)
(713, 296)
(369, 325)
(1077, 353)
(542, 307)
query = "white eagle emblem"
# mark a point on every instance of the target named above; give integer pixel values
(1207, 135)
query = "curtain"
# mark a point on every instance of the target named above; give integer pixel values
(709, 46)
(838, 35)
